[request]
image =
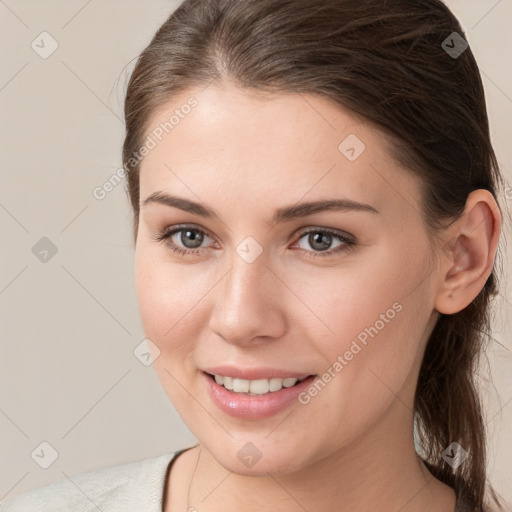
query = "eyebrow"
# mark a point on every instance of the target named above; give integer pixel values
(282, 214)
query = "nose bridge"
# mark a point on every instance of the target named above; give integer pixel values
(246, 303)
(246, 280)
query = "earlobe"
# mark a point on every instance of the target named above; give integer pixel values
(468, 256)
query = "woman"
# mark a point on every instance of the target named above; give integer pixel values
(316, 225)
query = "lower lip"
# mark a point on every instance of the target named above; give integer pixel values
(253, 406)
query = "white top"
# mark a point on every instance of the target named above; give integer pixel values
(136, 486)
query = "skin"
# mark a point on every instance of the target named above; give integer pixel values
(245, 154)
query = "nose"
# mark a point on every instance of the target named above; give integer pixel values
(248, 304)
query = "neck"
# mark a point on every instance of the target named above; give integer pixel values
(379, 468)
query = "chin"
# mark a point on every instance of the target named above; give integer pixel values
(254, 458)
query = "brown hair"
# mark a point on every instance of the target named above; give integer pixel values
(387, 61)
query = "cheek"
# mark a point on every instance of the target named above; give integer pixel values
(172, 314)
(366, 364)
(371, 324)
(169, 300)
(346, 300)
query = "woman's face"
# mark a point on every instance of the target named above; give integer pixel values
(353, 306)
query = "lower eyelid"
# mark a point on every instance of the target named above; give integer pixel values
(345, 245)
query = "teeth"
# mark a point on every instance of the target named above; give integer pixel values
(255, 387)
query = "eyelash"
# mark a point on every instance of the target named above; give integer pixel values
(167, 233)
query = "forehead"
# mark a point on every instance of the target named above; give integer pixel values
(258, 147)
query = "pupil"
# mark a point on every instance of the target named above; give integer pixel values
(320, 238)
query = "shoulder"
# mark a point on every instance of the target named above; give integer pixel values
(107, 489)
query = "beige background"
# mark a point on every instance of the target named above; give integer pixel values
(69, 326)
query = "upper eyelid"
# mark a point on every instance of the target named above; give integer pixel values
(176, 229)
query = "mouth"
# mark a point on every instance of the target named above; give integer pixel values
(256, 387)
(255, 399)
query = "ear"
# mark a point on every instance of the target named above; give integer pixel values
(470, 249)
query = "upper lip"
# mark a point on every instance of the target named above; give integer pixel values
(254, 373)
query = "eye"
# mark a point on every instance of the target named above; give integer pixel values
(321, 240)
(187, 240)
(190, 237)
